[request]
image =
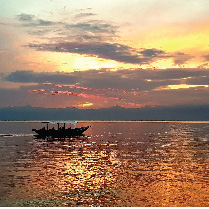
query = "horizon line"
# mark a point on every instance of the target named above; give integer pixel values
(111, 121)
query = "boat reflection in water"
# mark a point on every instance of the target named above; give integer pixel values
(60, 132)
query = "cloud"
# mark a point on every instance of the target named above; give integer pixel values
(94, 30)
(30, 76)
(141, 79)
(84, 15)
(21, 97)
(29, 20)
(72, 93)
(194, 96)
(26, 17)
(93, 26)
(112, 51)
(3, 52)
(152, 52)
(180, 58)
(105, 88)
(198, 80)
(90, 26)
(92, 38)
(206, 57)
(41, 32)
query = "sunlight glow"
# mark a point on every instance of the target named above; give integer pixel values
(87, 104)
(181, 86)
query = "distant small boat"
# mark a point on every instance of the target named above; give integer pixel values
(60, 132)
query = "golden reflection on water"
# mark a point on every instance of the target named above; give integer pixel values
(175, 178)
(120, 164)
(79, 173)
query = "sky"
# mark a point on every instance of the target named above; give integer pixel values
(99, 54)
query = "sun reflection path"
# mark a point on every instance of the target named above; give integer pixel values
(79, 173)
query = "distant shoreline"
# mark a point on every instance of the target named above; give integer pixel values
(115, 113)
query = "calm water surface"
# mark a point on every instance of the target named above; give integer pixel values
(116, 164)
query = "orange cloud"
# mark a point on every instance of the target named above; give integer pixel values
(3, 52)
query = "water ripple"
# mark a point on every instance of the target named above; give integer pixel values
(121, 164)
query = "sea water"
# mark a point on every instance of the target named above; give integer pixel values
(115, 164)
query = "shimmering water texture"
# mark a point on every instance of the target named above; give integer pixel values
(116, 164)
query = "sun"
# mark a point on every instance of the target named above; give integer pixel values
(87, 104)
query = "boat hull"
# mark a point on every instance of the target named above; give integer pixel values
(61, 133)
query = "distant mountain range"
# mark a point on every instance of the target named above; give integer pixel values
(190, 113)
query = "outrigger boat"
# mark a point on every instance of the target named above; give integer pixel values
(60, 132)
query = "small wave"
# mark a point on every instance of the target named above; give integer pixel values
(204, 139)
(15, 135)
(166, 145)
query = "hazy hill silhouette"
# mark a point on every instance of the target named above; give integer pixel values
(113, 113)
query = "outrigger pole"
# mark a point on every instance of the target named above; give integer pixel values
(59, 125)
